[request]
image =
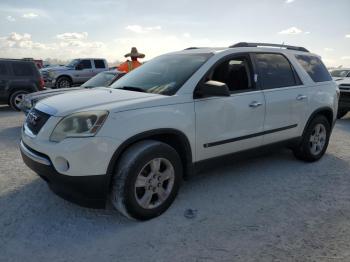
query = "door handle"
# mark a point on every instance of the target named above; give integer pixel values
(301, 97)
(255, 104)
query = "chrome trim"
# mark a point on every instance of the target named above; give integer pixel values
(27, 131)
(34, 156)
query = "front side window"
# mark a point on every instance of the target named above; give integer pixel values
(340, 73)
(99, 64)
(162, 75)
(22, 69)
(314, 67)
(235, 73)
(275, 71)
(86, 64)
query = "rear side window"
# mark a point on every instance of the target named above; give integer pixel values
(275, 71)
(86, 64)
(99, 64)
(314, 67)
(3, 69)
(22, 69)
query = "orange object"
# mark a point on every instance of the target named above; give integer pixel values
(128, 65)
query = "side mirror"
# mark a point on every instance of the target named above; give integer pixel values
(212, 88)
(79, 67)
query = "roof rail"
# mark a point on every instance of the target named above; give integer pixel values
(190, 48)
(290, 47)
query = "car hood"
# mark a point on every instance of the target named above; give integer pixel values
(51, 92)
(97, 99)
(56, 68)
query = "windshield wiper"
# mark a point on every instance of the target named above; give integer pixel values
(133, 88)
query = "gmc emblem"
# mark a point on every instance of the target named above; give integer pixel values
(32, 118)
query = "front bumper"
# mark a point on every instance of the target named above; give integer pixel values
(344, 101)
(88, 191)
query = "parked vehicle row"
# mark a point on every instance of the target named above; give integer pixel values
(18, 77)
(102, 79)
(134, 142)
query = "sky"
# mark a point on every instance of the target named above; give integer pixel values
(69, 29)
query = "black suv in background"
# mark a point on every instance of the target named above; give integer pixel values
(17, 78)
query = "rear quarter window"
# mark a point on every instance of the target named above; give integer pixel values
(314, 67)
(22, 69)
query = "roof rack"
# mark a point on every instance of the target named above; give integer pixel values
(290, 47)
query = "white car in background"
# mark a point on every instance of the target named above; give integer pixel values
(342, 78)
(133, 143)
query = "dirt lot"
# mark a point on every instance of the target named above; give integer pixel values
(267, 208)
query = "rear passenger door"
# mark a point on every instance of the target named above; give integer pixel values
(285, 96)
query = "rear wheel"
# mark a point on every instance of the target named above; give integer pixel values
(63, 82)
(16, 99)
(315, 140)
(341, 113)
(146, 180)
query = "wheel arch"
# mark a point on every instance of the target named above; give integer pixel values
(65, 75)
(173, 137)
(326, 112)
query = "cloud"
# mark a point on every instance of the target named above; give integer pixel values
(72, 36)
(328, 49)
(77, 40)
(10, 18)
(20, 41)
(30, 15)
(345, 57)
(347, 36)
(142, 30)
(291, 31)
(289, 1)
(187, 35)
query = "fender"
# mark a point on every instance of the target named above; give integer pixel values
(156, 134)
(326, 111)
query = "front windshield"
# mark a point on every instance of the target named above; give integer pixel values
(102, 79)
(162, 75)
(73, 63)
(340, 73)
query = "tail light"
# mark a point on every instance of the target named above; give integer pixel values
(41, 83)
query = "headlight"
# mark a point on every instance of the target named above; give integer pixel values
(82, 124)
(51, 74)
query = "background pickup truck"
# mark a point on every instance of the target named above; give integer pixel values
(76, 72)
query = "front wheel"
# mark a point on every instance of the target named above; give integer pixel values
(63, 82)
(16, 99)
(146, 180)
(315, 140)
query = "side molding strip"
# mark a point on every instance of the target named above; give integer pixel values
(217, 143)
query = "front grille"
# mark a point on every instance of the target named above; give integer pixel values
(344, 97)
(36, 120)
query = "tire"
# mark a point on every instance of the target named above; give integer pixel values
(341, 113)
(139, 166)
(16, 99)
(314, 143)
(63, 82)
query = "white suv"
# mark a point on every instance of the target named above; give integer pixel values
(133, 143)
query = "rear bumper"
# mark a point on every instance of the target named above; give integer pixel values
(87, 191)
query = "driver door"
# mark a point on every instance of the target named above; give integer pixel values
(226, 125)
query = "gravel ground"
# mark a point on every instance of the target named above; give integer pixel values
(266, 208)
